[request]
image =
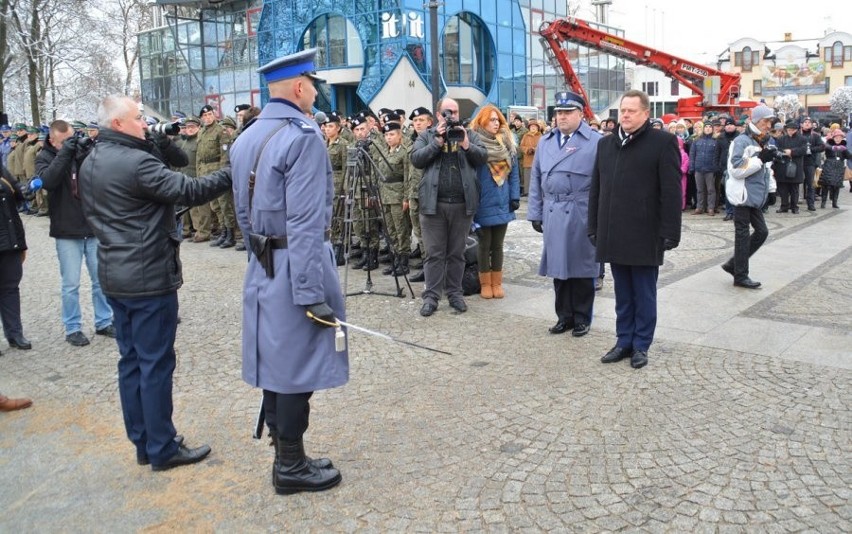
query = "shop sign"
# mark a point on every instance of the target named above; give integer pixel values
(395, 24)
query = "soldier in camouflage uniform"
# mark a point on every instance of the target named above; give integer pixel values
(202, 216)
(230, 126)
(393, 164)
(365, 224)
(337, 148)
(212, 155)
(35, 140)
(421, 120)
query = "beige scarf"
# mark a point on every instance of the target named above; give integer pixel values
(499, 155)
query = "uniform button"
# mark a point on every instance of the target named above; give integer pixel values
(303, 279)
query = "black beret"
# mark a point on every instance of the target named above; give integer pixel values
(241, 107)
(205, 109)
(418, 112)
(392, 117)
(391, 126)
(358, 120)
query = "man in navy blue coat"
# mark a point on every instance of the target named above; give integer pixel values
(634, 216)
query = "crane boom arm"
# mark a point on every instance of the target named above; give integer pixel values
(692, 75)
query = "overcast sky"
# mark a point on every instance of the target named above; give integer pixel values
(701, 30)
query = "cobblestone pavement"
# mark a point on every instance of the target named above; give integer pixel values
(517, 430)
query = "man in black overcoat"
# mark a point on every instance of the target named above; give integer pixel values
(634, 216)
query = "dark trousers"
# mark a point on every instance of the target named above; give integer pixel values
(745, 244)
(809, 185)
(11, 272)
(574, 299)
(287, 414)
(490, 250)
(145, 332)
(635, 304)
(444, 235)
(788, 192)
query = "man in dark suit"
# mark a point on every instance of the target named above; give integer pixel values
(634, 216)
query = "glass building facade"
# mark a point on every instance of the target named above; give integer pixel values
(489, 51)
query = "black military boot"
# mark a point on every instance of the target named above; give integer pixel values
(218, 241)
(402, 267)
(295, 473)
(339, 258)
(372, 260)
(390, 269)
(361, 263)
(822, 201)
(228, 241)
(417, 277)
(417, 253)
(319, 463)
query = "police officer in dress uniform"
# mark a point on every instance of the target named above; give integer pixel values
(559, 208)
(292, 290)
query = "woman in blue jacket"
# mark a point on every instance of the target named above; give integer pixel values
(499, 196)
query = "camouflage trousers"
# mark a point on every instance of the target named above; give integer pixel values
(398, 227)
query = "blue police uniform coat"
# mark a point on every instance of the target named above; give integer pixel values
(283, 350)
(560, 179)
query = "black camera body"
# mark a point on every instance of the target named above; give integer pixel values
(455, 131)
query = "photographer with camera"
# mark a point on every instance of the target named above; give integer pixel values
(449, 196)
(747, 188)
(57, 165)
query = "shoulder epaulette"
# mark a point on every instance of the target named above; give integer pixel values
(306, 128)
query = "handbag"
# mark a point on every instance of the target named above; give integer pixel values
(817, 174)
(791, 170)
(847, 174)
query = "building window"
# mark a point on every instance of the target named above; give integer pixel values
(847, 81)
(738, 59)
(757, 87)
(834, 54)
(333, 36)
(747, 59)
(468, 54)
(652, 88)
(675, 90)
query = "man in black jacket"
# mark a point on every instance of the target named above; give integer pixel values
(75, 241)
(128, 198)
(814, 145)
(634, 216)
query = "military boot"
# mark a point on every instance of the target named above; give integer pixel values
(319, 463)
(218, 241)
(402, 268)
(372, 262)
(228, 241)
(295, 473)
(339, 258)
(390, 269)
(417, 277)
(417, 253)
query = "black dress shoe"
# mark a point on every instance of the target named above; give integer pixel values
(20, 342)
(458, 304)
(561, 327)
(108, 331)
(428, 309)
(616, 355)
(639, 359)
(747, 283)
(781, 210)
(184, 456)
(142, 456)
(580, 330)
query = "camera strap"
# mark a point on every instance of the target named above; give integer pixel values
(253, 174)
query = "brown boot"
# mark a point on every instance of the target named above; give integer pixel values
(485, 283)
(698, 211)
(497, 284)
(10, 405)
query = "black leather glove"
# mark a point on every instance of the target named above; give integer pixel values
(767, 154)
(321, 314)
(770, 200)
(593, 239)
(70, 144)
(537, 226)
(514, 205)
(669, 244)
